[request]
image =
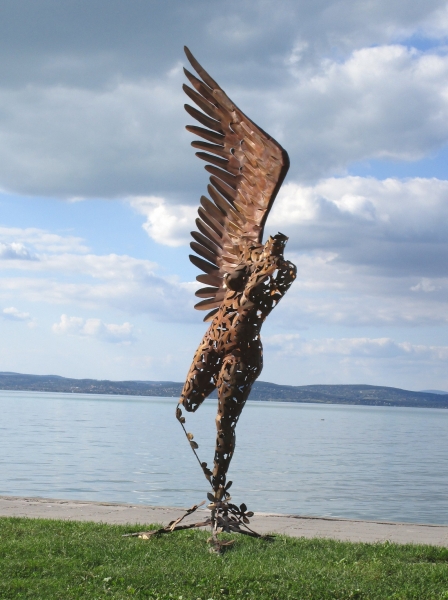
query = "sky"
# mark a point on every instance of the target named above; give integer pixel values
(99, 186)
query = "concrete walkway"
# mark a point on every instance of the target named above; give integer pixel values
(292, 525)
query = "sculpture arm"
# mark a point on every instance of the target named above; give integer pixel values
(287, 273)
(274, 271)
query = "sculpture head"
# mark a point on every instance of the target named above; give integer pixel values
(275, 246)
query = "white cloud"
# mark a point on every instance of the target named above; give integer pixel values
(435, 25)
(40, 240)
(166, 224)
(14, 251)
(373, 348)
(371, 360)
(255, 32)
(161, 298)
(90, 280)
(428, 285)
(381, 102)
(15, 314)
(328, 292)
(107, 267)
(391, 225)
(95, 328)
(55, 253)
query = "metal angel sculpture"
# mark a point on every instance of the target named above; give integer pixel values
(244, 278)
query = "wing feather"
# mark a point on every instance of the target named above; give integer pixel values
(205, 253)
(208, 220)
(247, 168)
(207, 292)
(214, 212)
(211, 136)
(209, 279)
(214, 148)
(209, 316)
(203, 119)
(207, 242)
(208, 107)
(209, 303)
(205, 266)
(208, 232)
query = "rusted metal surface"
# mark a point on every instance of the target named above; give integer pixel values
(230, 356)
(244, 278)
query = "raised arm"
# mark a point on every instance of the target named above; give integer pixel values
(286, 274)
(272, 277)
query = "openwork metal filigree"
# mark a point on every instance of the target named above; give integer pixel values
(244, 278)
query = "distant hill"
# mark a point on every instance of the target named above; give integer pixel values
(370, 395)
(434, 392)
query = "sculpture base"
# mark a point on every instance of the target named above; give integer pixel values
(225, 517)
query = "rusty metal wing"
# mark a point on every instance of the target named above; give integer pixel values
(247, 168)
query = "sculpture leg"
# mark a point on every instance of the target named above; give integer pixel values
(200, 382)
(234, 384)
(201, 378)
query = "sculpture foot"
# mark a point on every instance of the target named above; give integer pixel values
(225, 517)
(172, 526)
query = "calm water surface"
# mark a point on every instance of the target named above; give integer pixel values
(325, 460)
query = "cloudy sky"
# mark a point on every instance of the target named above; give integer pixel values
(99, 185)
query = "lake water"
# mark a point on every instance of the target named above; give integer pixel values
(324, 460)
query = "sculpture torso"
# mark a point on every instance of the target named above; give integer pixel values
(242, 313)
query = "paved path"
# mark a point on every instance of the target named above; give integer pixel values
(295, 526)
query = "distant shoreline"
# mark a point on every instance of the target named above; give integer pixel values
(360, 395)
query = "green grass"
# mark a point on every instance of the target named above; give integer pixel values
(43, 559)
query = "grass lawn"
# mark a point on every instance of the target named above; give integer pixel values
(43, 559)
